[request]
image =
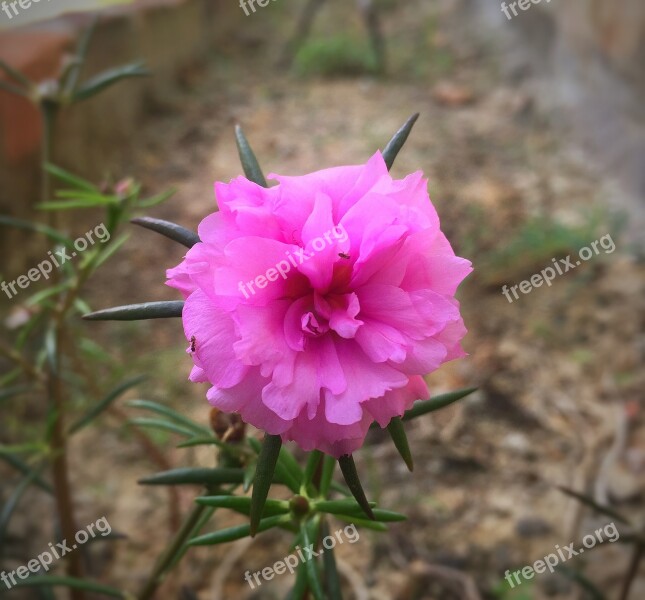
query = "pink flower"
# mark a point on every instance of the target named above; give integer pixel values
(317, 305)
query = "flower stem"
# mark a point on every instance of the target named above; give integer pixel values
(60, 470)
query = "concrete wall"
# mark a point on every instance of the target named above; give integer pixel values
(586, 59)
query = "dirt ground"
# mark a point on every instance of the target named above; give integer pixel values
(559, 370)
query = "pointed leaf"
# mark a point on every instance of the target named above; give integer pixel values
(107, 79)
(12, 89)
(237, 533)
(70, 179)
(347, 506)
(313, 462)
(15, 74)
(26, 470)
(313, 577)
(353, 519)
(332, 578)
(81, 55)
(397, 432)
(242, 504)
(96, 410)
(328, 468)
(161, 424)
(591, 503)
(427, 406)
(175, 232)
(12, 502)
(267, 462)
(300, 587)
(248, 159)
(394, 146)
(157, 199)
(39, 228)
(139, 312)
(348, 467)
(194, 476)
(173, 415)
(249, 474)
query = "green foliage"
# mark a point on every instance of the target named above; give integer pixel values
(338, 55)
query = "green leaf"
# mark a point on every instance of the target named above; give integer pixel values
(44, 294)
(81, 55)
(300, 587)
(313, 577)
(38, 228)
(70, 582)
(65, 205)
(161, 424)
(332, 578)
(101, 406)
(249, 474)
(328, 468)
(93, 198)
(427, 406)
(348, 468)
(194, 476)
(264, 472)
(107, 79)
(156, 200)
(237, 533)
(312, 466)
(12, 502)
(139, 312)
(173, 415)
(203, 441)
(346, 506)
(70, 179)
(12, 89)
(397, 433)
(591, 503)
(16, 390)
(16, 75)
(289, 470)
(175, 232)
(26, 470)
(248, 159)
(394, 146)
(242, 504)
(110, 251)
(374, 525)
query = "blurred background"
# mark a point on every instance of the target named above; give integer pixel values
(532, 134)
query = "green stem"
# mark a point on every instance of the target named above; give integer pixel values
(49, 112)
